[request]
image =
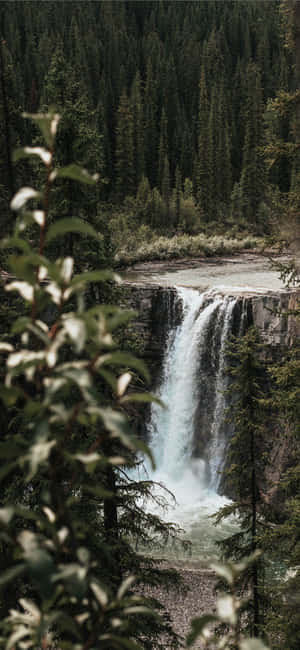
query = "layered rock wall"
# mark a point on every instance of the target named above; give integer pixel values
(272, 314)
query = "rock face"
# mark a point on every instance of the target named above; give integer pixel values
(156, 307)
(273, 316)
(158, 310)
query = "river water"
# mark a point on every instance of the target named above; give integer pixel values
(239, 275)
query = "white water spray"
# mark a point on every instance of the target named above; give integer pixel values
(202, 335)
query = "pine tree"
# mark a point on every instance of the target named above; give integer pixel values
(78, 137)
(213, 181)
(124, 149)
(246, 464)
(150, 103)
(163, 148)
(138, 129)
(283, 541)
(166, 190)
(178, 195)
(6, 122)
(253, 169)
(202, 191)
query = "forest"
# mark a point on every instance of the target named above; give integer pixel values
(133, 131)
(172, 102)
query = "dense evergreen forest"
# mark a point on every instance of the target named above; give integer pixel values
(189, 113)
(169, 101)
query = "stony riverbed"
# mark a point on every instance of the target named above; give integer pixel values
(182, 606)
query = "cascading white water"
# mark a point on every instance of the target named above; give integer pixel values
(198, 342)
(206, 317)
(217, 445)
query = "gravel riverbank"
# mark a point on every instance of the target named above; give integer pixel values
(183, 607)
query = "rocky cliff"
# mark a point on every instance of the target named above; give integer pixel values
(155, 305)
(272, 314)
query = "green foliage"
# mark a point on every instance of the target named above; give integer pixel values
(245, 465)
(164, 248)
(283, 539)
(229, 612)
(140, 83)
(66, 500)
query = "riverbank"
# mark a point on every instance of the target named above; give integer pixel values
(182, 606)
(133, 251)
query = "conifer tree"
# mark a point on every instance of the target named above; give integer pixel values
(253, 169)
(213, 180)
(284, 541)
(124, 149)
(163, 148)
(166, 188)
(178, 195)
(246, 464)
(138, 129)
(202, 166)
(150, 103)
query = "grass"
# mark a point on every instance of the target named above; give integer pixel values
(178, 246)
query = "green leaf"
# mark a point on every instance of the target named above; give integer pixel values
(25, 289)
(89, 460)
(9, 449)
(38, 454)
(126, 584)
(6, 515)
(95, 276)
(11, 574)
(109, 377)
(22, 196)
(20, 325)
(26, 152)
(198, 625)
(142, 397)
(75, 173)
(9, 395)
(16, 242)
(120, 642)
(116, 423)
(21, 632)
(7, 469)
(226, 609)
(224, 571)
(67, 624)
(39, 562)
(141, 446)
(74, 577)
(6, 347)
(126, 360)
(64, 226)
(100, 594)
(47, 123)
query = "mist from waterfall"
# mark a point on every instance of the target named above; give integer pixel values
(194, 348)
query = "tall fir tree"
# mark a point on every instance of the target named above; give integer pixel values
(202, 162)
(253, 168)
(246, 463)
(124, 156)
(163, 148)
(138, 129)
(166, 190)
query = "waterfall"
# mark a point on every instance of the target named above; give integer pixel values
(192, 388)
